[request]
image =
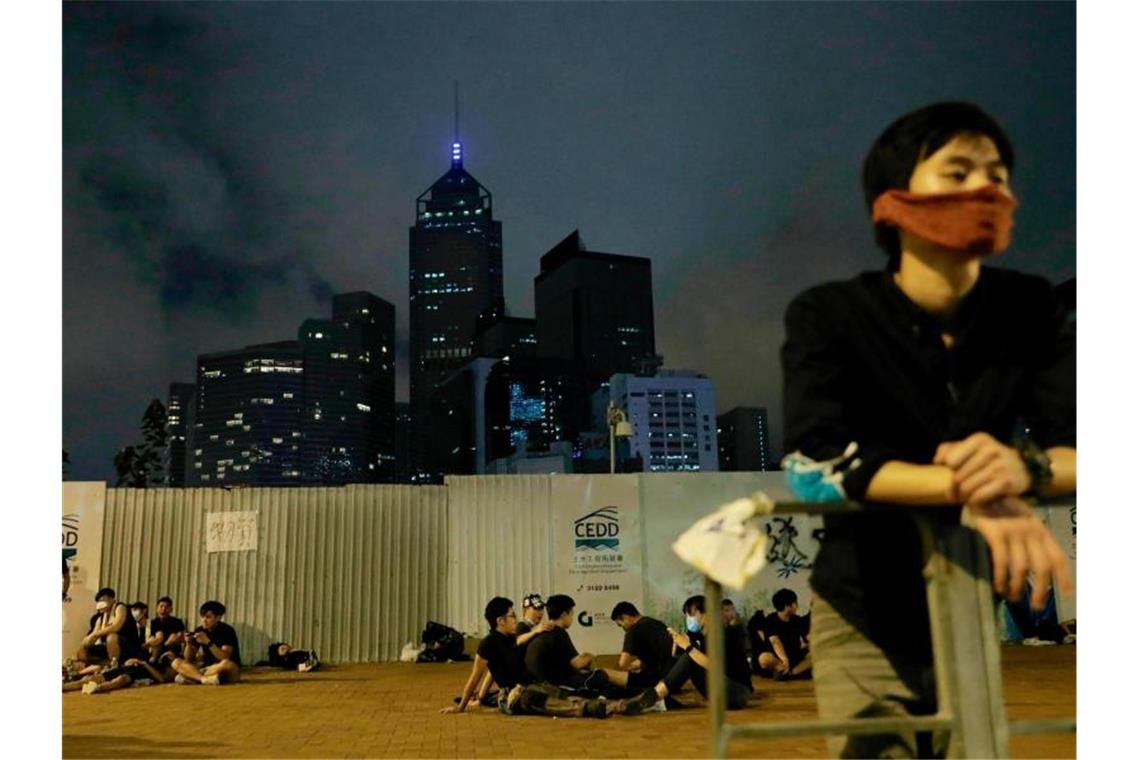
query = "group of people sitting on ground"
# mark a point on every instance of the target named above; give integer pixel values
(539, 671)
(125, 647)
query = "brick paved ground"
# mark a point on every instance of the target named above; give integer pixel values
(391, 710)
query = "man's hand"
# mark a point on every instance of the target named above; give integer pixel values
(680, 639)
(456, 709)
(201, 637)
(1020, 542)
(544, 626)
(984, 468)
(782, 665)
(132, 662)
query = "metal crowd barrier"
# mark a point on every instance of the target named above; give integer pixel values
(967, 656)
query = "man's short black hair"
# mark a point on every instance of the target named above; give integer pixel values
(106, 591)
(166, 599)
(694, 604)
(727, 603)
(217, 608)
(911, 139)
(496, 608)
(782, 598)
(139, 606)
(622, 609)
(557, 605)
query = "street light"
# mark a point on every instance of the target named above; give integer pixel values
(619, 428)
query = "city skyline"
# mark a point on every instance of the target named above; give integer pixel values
(227, 169)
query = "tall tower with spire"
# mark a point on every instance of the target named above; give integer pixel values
(455, 273)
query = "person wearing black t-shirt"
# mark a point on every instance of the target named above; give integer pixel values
(112, 635)
(785, 654)
(171, 628)
(952, 385)
(693, 663)
(553, 659)
(501, 655)
(214, 645)
(646, 650)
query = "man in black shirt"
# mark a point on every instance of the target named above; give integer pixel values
(785, 651)
(501, 655)
(172, 629)
(553, 659)
(693, 663)
(112, 635)
(928, 368)
(646, 651)
(213, 645)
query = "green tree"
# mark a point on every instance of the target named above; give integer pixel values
(144, 465)
(155, 435)
(131, 468)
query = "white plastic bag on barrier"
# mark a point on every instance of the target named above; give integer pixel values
(726, 545)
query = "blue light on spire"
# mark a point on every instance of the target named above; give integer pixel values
(457, 154)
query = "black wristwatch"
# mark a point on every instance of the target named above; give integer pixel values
(689, 648)
(1037, 463)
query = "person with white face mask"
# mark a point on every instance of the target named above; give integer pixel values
(692, 664)
(110, 638)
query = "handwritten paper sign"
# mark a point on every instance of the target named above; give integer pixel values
(231, 531)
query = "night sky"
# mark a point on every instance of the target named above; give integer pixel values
(227, 167)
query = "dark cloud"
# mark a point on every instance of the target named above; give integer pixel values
(230, 166)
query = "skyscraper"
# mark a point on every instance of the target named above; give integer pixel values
(180, 409)
(350, 392)
(742, 436)
(594, 308)
(455, 274)
(674, 419)
(248, 418)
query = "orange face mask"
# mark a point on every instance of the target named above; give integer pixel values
(976, 222)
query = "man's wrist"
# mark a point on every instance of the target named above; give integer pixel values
(1038, 466)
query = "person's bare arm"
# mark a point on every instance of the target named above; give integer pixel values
(154, 674)
(539, 629)
(681, 641)
(628, 662)
(778, 648)
(219, 652)
(582, 661)
(912, 484)
(484, 687)
(478, 670)
(1064, 461)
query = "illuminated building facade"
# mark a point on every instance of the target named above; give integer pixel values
(673, 415)
(247, 427)
(455, 274)
(742, 435)
(349, 393)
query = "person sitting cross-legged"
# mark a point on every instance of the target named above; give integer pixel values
(112, 636)
(693, 663)
(786, 653)
(217, 646)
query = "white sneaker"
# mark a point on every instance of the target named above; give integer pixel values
(90, 687)
(658, 706)
(211, 681)
(141, 682)
(182, 680)
(1036, 642)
